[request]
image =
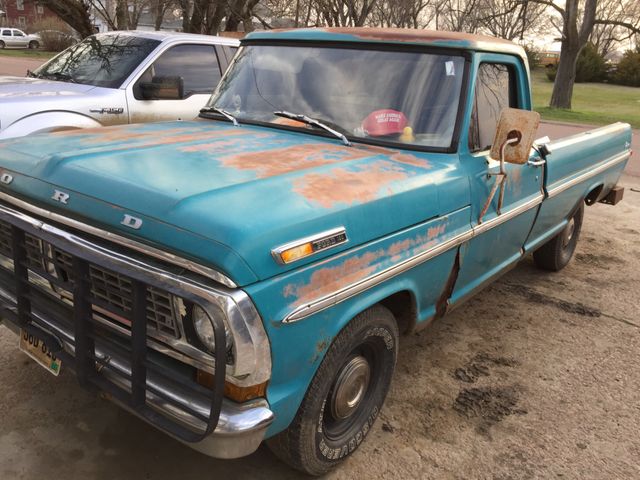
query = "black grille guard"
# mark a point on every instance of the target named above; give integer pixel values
(85, 362)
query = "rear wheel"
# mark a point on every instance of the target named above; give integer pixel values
(557, 252)
(33, 44)
(2, 45)
(345, 395)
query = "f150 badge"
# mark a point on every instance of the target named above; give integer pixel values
(108, 110)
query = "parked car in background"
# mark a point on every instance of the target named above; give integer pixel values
(549, 59)
(115, 78)
(14, 38)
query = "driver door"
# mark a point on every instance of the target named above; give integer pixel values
(199, 69)
(499, 234)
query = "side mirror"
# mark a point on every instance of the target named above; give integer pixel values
(163, 88)
(514, 135)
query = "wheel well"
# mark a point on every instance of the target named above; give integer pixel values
(404, 309)
(593, 196)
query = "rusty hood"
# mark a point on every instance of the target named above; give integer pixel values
(226, 196)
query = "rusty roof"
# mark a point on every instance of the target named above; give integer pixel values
(436, 38)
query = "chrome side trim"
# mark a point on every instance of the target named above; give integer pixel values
(375, 279)
(252, 363)
(591, 173)
(277, 252)
(500, 219)
(126, 242)
(355, 288)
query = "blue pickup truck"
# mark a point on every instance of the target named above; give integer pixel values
(245, 277)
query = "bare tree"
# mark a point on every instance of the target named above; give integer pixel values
(74, 12)
(509, 19)
(607, 36)
(460, 15)
(343, 13)
(578, 19)
(401, 13)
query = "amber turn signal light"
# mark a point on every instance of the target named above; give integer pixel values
(234, 392)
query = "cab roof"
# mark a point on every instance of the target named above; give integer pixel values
(435, 38)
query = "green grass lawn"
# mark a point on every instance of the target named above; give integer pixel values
(593, 103)
(26, 53)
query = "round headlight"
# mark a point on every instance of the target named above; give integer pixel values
(203, 327)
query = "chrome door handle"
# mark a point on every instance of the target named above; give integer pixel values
(536, 163)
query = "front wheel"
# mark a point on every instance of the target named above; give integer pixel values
(557, 252)
(33, 44)
(2, 45)
(344, 397)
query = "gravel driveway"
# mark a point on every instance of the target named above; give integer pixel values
(536, 377)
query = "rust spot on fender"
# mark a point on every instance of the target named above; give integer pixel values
(340, 185)
(436, 231)
(277, 161)
(328, 280)
(416, 244)
(325, 281)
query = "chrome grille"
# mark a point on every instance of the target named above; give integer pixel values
(112, 293)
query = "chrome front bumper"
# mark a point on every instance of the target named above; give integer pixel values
(241, 426)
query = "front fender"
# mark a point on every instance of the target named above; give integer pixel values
(48, 122)
(299, 345)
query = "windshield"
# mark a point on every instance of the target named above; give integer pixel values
(369, 95)
(100, 60)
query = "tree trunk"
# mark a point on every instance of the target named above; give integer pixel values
(73, 13)
(565, 77)
(122, 15)
(159, 11)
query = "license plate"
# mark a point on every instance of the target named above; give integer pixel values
(36, 349)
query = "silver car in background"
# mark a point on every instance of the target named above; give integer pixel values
(115, 78)
(14, 38)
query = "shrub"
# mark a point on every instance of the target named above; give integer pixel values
(552, 72)
(55, 35)
(590, 66)
(533, 55)
(628, 71)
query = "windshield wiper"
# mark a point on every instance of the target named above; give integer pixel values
(62, 77)
(222, 112)
(32, 74)
(316, 123)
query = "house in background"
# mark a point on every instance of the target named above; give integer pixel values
(22, 13)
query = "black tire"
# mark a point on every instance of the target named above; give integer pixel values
(33, 44)
(2, 45)
(320, 437)
(557, 252)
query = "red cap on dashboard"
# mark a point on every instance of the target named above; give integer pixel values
(384, 122)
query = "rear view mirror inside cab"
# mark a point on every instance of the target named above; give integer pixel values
(514, 135)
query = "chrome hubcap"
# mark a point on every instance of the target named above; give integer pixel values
(350, 387)
(568, 233)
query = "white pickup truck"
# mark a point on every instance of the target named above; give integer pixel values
(116, 78)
